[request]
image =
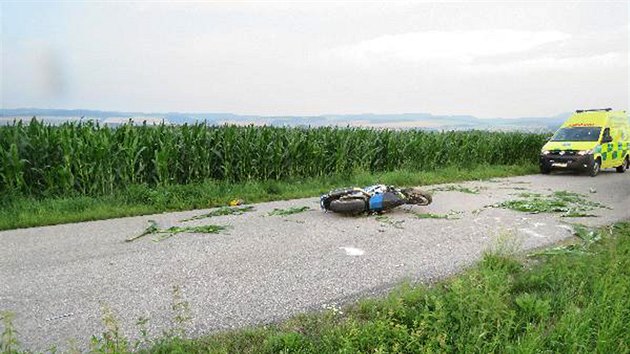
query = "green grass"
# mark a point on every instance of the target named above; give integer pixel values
(563, 302)
(19, 211)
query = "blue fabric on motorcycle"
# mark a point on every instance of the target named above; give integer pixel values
(376, 202)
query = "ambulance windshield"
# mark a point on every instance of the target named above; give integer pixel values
(577, 134)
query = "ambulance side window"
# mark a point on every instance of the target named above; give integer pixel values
(606, 136)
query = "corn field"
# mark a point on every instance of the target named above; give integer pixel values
(90, 159)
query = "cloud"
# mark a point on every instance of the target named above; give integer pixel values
(458, 46)
(559, 64)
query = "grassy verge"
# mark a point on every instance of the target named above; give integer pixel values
(19, 212)
(567, 302)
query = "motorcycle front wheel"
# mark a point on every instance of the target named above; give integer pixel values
(418, 197)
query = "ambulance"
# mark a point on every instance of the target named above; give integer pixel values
(589, 141)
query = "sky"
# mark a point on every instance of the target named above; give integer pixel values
(487, 59)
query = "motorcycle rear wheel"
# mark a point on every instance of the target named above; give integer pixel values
(348, 206)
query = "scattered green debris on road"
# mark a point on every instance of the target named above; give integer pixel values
(386, 220)
(457, 188)
(174, 230)
(162, 234)
(514, 188)
(431, 216)
(222, 212)
(288, 211)
(568, 204)
(530, 195)
(151, 229)
(452, 215)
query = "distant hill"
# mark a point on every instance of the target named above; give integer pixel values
(398, 121)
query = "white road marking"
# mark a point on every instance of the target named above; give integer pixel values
(351, 251)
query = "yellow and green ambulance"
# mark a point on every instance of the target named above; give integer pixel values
(589, 141)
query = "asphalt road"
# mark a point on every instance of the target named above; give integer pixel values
(265, 268)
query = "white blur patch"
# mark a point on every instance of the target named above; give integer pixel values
(351, 251)
(34, 70)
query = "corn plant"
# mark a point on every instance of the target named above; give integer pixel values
(87, 158)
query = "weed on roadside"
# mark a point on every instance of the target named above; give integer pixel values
(112, 340)
(182, 315)
(288, 211)
(506, 244)
(8, 340)
(142, 324)
(73, 347)
(223, 211)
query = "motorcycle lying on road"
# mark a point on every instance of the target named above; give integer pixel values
(372, 199)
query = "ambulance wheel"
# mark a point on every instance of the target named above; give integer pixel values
(545, 170)
(624, 166)
(595, 167)
(348, 206)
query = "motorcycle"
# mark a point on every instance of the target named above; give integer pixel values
(372, 199)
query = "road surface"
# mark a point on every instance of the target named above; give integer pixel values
(57, 279)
